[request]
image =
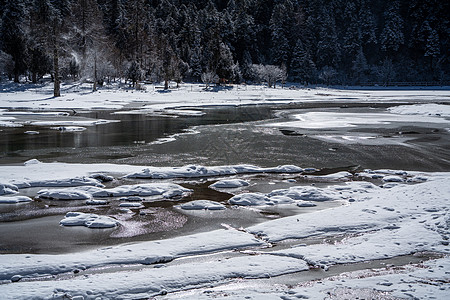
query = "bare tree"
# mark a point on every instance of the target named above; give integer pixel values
(269, 73)
(209, 77)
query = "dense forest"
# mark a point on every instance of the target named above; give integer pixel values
(310, 41)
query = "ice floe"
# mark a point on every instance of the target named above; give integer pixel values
(88, 220)
(202, 204)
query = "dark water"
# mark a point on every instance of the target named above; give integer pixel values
(133, 130)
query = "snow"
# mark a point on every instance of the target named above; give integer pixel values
(229, 183)
(149, 282)
(166, 190)
(131, 205)
(63, 194)
(429, 109)
(193, 171)
(250, 199)
(149, 252)
(88, 220)
(323, 120)
(6, 188)
(202, 204)
(14, 199)
(373, 209)
(307, 193)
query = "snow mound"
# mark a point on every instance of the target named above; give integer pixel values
(166, 190)
(88, 220)
(229, 183)
(202, 204)
(14, 199)
(33, 161)
(202, 171)
(307, 193)
(251, 199)
(63, 194)
(76, 181)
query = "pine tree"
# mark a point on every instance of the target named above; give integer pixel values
(302, 68)
(392, 35)
(13, 37)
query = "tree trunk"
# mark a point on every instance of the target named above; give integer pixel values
(166, 84)
(94, 88)
(16, 76)
(34, 77)
(56, 83)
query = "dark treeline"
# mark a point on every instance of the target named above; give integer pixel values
(312, 41)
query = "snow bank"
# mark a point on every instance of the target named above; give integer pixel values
(430, 109)
(88, 220)
(202, 204)
(229, 183)
(142, 253)
(149, 282)
(14, 199)
(203, 171)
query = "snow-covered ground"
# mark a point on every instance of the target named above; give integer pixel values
(379, 214)
(372, 223)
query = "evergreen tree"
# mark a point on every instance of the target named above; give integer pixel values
(302, 68)
(392, 36)
(13, 36)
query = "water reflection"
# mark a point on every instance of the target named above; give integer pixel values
(132, 129)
